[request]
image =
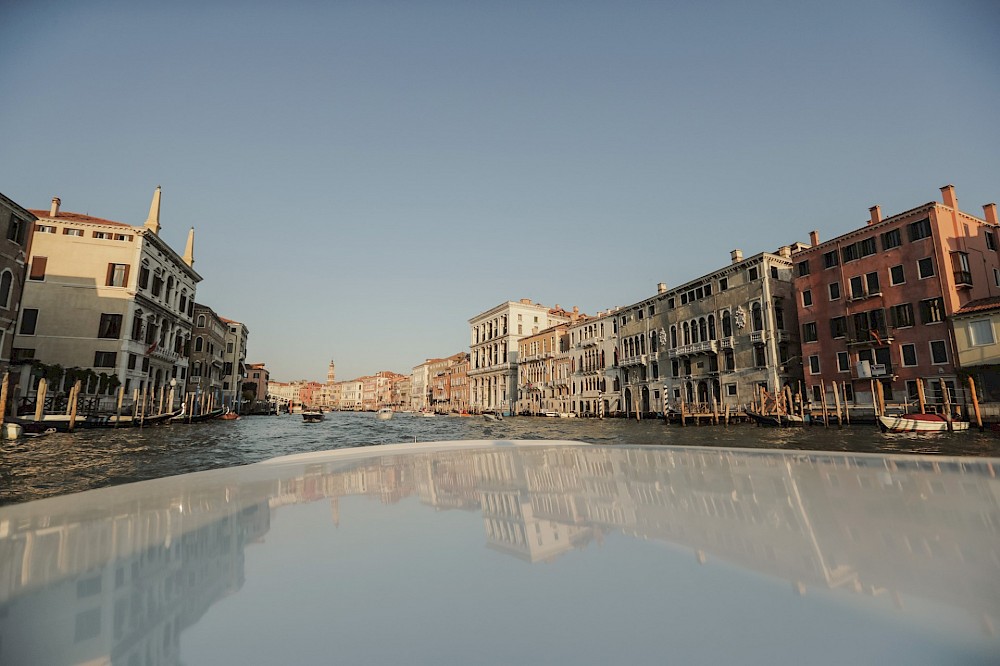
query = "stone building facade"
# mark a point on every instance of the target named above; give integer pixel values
(17, 225)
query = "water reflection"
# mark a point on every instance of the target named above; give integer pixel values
(118, 575)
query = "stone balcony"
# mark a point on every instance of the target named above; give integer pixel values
(704, 347)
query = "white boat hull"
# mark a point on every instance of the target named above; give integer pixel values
(923, 424)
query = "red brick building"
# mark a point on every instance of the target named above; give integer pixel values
(874, 304)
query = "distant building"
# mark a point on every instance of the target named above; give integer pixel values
(110, 298)
(874, 303)
(258, 377)
(234, 365)
(17, 224)
(537, 356)
(494, 335)
(207, 358)
(596, 387)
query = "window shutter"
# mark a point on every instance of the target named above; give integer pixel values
(38, 268)
(111, 275)
(125, 278)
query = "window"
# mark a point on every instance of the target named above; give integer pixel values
(774, 272)
(843, 363)
(896, 275)
(19, 355)
(807, 297)
(960, 265)
(814, 365)
(15, 229)
(919, 229)
(834, 291)
(131, 361)
(850, 253)
(981, 332)
(871, 281)
(909, 354)
(723, 285)
(157, 285)
(44, 229)
(752, 274)
(29, 319)
(759, 356)
(931, 310)
(144, 277)
(117, 275)
(857, 287)
(103, 359)
(201, 321)
(925, 268)
(891, 239)
(866, 247)
(830, 259)
(991, 240)
(199, 344)
(38, 265)
(5, 284)
(803, 267)
(838, 327)
(809, 332)
(939, 352)
(73, 232)
(902, 315)
(111, 326)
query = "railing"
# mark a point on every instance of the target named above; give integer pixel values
(726, 343)
(758, 337)
(706, 346)
(634, 360)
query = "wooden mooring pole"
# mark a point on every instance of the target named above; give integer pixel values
(972, 392)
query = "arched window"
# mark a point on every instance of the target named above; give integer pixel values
(5, 283)
(201, 321)
(711, 327)
(702, 329)
(727, 324)
(653, 340)
(757, 317)
(694, 331)
(687, 333)
(673, 337)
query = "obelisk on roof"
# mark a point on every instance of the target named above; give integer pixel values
(189, 249)
(153, 221)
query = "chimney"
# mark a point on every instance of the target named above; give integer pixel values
(785, 251)
(153, 220)
(576, 309)
(814, 238)
(948, 196)
(189, 249)
(736, 256)
(990, 213)
(525, 301)
(54, 211)
(661, 287)
(876, 213)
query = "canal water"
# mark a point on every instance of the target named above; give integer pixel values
(64, 463)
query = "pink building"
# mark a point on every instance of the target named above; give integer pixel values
(874, 304)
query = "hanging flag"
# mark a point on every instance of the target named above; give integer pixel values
(151, 348)
(875, 335)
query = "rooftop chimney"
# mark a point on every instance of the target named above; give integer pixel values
(876, 212)
(525, 301)
(54, 211)
(814, 238)
(785, 251)
(661, 287)
(990, 212)
(736, 256)
(948, 196)
(189, 250)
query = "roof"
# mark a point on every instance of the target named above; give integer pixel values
(64, 216)
(979, 305)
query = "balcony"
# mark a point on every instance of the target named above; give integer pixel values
(758, 337)
(704, 347)
(726, 343)
(963, 279)
(634, 360)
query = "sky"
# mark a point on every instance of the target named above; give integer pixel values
(365, 177)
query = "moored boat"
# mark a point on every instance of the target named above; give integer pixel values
(774, 420)
(383, 414)
(919, 423)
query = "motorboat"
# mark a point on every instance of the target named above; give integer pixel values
(486, 548)
(312, 415)
(383, 414)
(493, 416)
(774, 419)
(918, 422)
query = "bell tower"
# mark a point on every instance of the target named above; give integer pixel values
(331, 374)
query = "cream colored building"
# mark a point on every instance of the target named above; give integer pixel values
(206, 360)
(976, 330)
(234, 369)
(110, 297)
(595, 389)
(494, 335)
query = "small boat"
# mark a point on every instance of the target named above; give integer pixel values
(551, 415)
(312, 416)
(919, 423)
(383, 414)
(493, 416)
(230, 416)
(198, 418)
(428, 414)
(774, 420)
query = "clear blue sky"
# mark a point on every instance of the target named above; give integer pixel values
(364, 177)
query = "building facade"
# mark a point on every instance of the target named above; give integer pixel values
(537, 355)
(874, 304)
(728, 332)
(234, 369)
(18, 225)
(494, 335)
(206, 360)
(110, 298)
(596, 385)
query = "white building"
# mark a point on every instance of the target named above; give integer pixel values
(234, 369)
(493, 349)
